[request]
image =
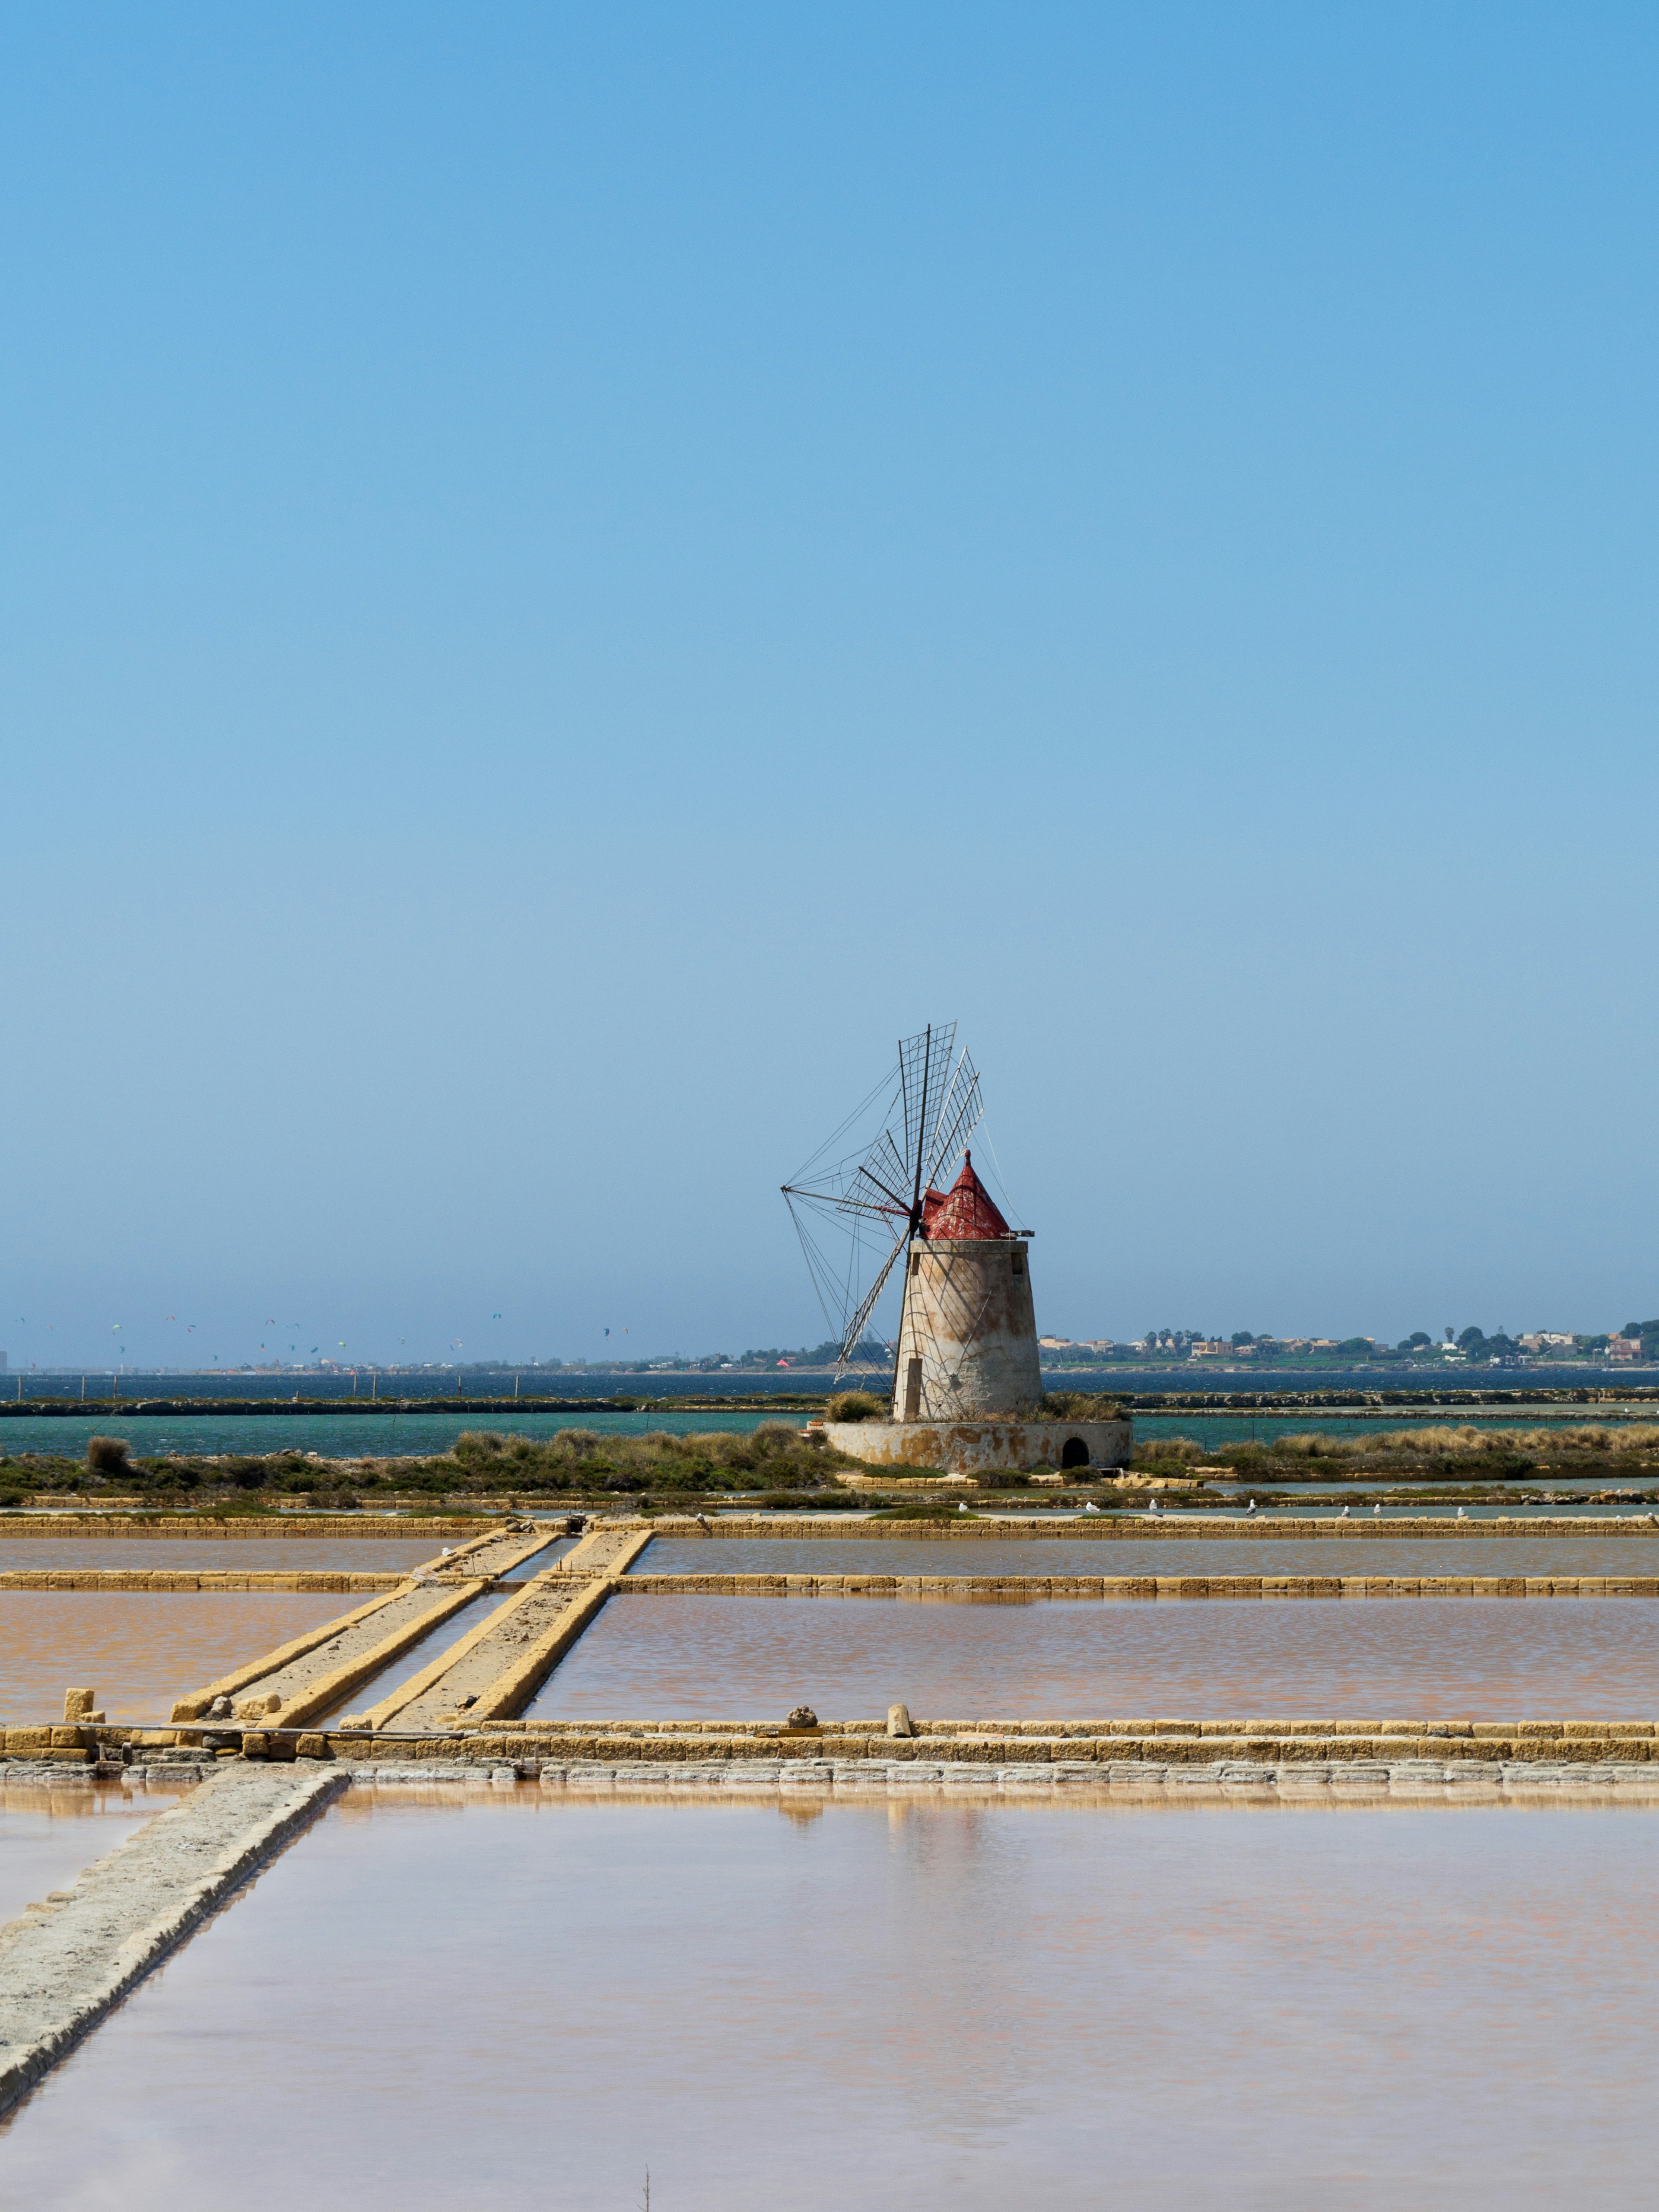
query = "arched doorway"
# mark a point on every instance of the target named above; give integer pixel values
(1074, 1453)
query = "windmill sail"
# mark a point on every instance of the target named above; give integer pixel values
(855, 1214)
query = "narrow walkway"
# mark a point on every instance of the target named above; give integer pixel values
(68, 1959)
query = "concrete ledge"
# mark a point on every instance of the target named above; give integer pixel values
(65, 1963)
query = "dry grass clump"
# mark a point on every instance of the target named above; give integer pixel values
(774, 1456)
(109, 1456)
(855, 1406)
(1079, 1406)
(1168, 1451)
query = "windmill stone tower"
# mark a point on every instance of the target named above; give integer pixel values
(967, 1385)
(968, 1345)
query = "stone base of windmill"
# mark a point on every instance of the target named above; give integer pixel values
(959, 1451)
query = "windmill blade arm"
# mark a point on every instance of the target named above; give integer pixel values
(867, 1305)
(964, 1110)
(842, 1203)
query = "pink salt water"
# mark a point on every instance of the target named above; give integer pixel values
(373, 1555)
(1194, 1555)
(524, 2003)
(140, 1650)
(49, 1831)
(685, 1657)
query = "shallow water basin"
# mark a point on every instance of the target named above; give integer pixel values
(50, 1830)
(141, 1650)
(369, 1555)
(1194, 1555)
(754, 1658)
(521, 2002)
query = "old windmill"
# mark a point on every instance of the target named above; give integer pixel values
(967, 1340)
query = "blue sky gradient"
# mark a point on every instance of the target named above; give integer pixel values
(567, 575)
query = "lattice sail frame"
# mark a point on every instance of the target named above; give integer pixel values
(870, 1198)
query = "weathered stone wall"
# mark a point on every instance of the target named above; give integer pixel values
(981, 1447)
(969, 1327)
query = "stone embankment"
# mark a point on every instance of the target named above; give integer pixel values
(1018, 1588)
(67, 1960)
(203, 1579)
(497, 1552)
(1141, 1528)
(528, 1746)
(309, 1675)
(257, 1527)
(495, 1670)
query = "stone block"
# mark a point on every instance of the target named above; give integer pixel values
(313, 1746)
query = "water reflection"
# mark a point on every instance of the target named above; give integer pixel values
(923, 2004)
(48, 1833)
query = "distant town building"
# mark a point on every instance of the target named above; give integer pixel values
(1624, 1347)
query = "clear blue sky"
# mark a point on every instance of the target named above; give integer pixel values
(570, 573)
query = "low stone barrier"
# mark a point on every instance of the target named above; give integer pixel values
(1018, 1588)
(1158, 1529)
(256, 1528)
(529, 1746)
(192, 1578)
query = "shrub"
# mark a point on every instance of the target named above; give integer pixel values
(855, 1406)
(1079, 1406)
(108, 1456)
(1168, 1451)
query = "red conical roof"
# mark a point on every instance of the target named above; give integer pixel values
(965, 1210)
